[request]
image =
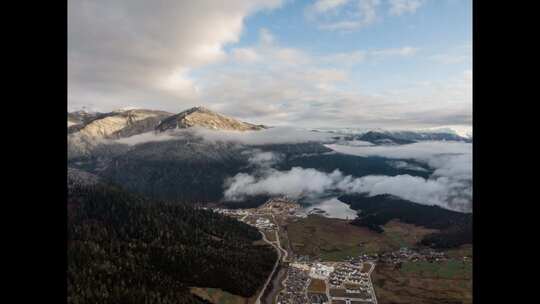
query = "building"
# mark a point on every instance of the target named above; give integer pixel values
(320, 271)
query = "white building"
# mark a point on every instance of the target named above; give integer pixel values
(320, 271)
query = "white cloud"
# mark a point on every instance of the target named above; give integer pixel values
(144, 138)
(450, 58)
(343, 15)
(126, 52)
(455, 55)
(267, 136)
(245, 55)
(276, 135)
(296, 183)
(403, 51)
(346, 58)
(400, 7)
(450, 185)
(309, 183)
(451, 161)
(266, 36)
(263, 159)
(290, 86)
(407, 166)
(141, 52)
(326, 5)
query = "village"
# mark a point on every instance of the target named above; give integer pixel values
(308, 280)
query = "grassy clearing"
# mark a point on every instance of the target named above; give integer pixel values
(403, 234)
(452, 269)
(463, 251)
(407, 286)
(218, 296)
(333, 239)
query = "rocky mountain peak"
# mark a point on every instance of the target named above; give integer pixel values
(206, 118)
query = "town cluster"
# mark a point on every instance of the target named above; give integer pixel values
(332, 282)
(312, 281)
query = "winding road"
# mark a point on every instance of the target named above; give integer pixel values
(278, 249)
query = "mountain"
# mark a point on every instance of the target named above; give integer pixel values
(123, 248)
(81, 117)
(455, 228)
(186, 165)
(173, 169)
(119, 124)
(383, 138)
(203, 117)
(407, 137)
(78, 177)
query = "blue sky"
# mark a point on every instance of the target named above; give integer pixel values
(349, 63)
(437, 27)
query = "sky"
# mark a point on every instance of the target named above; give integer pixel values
(393, 64)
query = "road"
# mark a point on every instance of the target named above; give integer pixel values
(285, 253)
(371, 283)
(258, 301)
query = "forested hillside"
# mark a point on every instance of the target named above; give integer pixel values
(455, 227)
(123, 248)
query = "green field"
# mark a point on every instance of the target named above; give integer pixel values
(218, 296)
(333, 239)
(452, 269)
(404, 235)
(423, 283)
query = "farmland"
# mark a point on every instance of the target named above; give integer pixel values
(423, 282)
(333, 239)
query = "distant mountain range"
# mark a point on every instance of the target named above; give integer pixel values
(184, 166)
(386, 137)
(407, 137)
(125, 123)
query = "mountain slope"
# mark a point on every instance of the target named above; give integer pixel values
(119, 124)
(375, 211)
(123, 248)
(407, 137)
(203, 117)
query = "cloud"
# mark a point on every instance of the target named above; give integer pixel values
(275, 135)
(263, 159)
(145, 137)
(343, 15)
(406, 166)
(451, 162)
(400, 7)
(321, 6)
(141, 52)
(296, 183)
(449, 186)
(266, 36)
(290, 86)
(245, 55)
(310, 183)
(403, 51)
(454, 55)
(172, 56)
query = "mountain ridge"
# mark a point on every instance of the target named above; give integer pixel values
(204, 117)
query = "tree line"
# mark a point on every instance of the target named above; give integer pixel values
(123, 248)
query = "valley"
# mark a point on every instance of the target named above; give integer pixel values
(227, 213)
(325, 260)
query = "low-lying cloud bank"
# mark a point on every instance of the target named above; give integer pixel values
(275, 135)
(450, 185)
(449, 159)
